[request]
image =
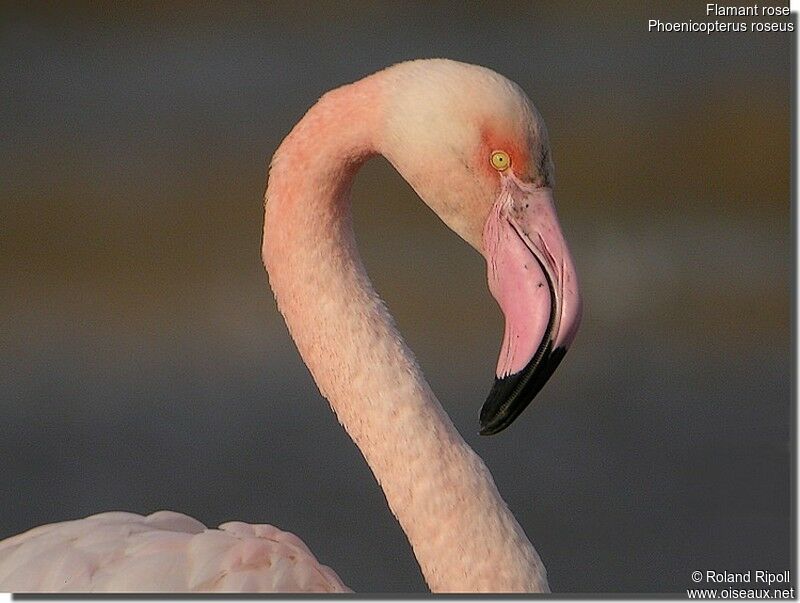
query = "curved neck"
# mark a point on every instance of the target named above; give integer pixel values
(463, 535)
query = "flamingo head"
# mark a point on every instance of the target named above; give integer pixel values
(476, 150)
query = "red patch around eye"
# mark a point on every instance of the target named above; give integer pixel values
(492, 140)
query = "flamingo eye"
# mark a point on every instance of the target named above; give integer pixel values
(500, 161)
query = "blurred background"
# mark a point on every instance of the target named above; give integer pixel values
(144, 364)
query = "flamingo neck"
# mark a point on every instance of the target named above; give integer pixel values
(463, 535)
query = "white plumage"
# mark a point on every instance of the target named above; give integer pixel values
(125, 552)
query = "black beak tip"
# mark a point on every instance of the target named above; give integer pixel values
(503, 405)
(510, 395)
(487, 430)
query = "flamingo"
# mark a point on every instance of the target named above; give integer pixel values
(476, 151)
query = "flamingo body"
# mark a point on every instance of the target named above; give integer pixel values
(162, 552)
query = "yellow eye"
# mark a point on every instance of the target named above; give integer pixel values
(501, 161)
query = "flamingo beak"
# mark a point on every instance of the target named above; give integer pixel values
(533, 279)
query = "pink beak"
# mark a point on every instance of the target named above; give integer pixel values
(533, 279)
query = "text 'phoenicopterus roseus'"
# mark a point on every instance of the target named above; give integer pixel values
(475, 149)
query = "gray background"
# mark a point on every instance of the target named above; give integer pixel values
(144, 365)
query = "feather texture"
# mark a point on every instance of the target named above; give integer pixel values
(165, 551)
